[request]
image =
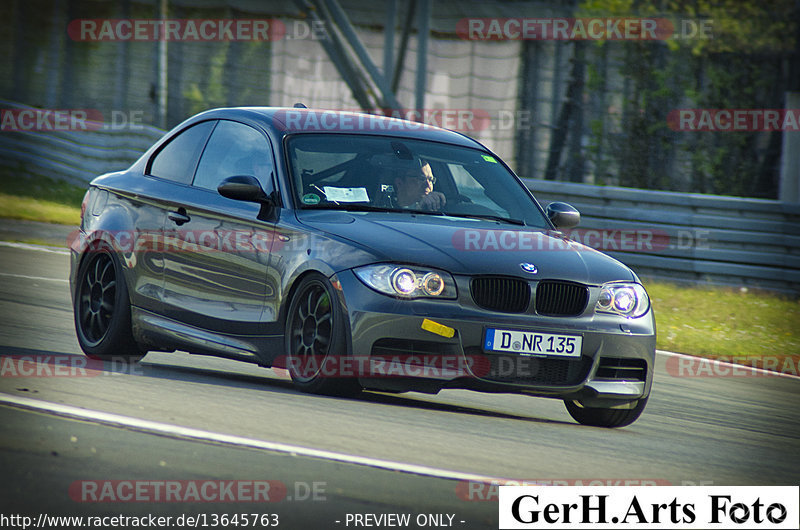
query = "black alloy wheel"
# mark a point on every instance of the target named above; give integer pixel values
(102, 309)
(315, 338)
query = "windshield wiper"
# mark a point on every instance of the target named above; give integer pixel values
(489, 217)
(355, 207)
(424, 212)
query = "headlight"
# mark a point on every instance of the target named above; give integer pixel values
(408, 282)
(626, 299)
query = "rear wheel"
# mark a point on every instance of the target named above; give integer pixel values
(315, 338)
(605, 417)
(102, 310)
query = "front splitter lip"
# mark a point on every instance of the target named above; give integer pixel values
(616, 389)
(591, 392)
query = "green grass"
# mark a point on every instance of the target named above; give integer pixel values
(725, 322)
(39, 199)
(29, 209)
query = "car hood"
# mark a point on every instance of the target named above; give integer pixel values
(468, 246)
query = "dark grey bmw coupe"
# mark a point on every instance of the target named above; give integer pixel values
(357, 252)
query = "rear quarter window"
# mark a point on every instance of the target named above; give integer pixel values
(177, 160)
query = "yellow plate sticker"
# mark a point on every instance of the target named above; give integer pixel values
(439, 329)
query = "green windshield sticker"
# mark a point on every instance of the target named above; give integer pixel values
(489, 158)
(310, 198)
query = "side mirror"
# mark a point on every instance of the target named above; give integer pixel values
(562, 215)
(242, 188)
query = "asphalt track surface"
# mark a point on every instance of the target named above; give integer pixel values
(179, 417)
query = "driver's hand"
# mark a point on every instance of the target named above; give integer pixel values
(434, 200)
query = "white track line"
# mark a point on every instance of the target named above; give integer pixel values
(29, 246)
(726, 364)
(177, 431)
(42, 278)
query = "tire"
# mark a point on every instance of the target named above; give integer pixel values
(102, 309)
(604, 417)
(315, 334)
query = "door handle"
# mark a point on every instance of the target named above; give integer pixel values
(179, 217)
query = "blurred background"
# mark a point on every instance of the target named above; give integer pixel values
(589, 122)
(587, 111)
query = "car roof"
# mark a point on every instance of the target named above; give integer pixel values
(282, 121)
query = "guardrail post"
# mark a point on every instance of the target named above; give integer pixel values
(790, 156)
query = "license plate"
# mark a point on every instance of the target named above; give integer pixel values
(531, 343)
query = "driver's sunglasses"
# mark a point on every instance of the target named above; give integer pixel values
(431, 179)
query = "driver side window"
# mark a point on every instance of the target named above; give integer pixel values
(235, 149)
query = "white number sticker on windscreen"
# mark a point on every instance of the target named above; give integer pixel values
(346, 194)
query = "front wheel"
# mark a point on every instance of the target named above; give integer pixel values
(315, 339)
(102, 310)
(605, 417)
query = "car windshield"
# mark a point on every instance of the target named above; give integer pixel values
(380, 173)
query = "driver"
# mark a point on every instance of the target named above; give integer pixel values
(414, 190)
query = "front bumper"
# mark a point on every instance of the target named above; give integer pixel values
(615, 366)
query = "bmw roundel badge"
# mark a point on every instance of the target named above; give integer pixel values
(529, 267)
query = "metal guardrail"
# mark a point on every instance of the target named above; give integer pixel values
(687, 236)
(677, 236)
(73, 155)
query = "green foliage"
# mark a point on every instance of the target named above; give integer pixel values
(742, 66)
(743, 27)
(212, 93)
(215, 88)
